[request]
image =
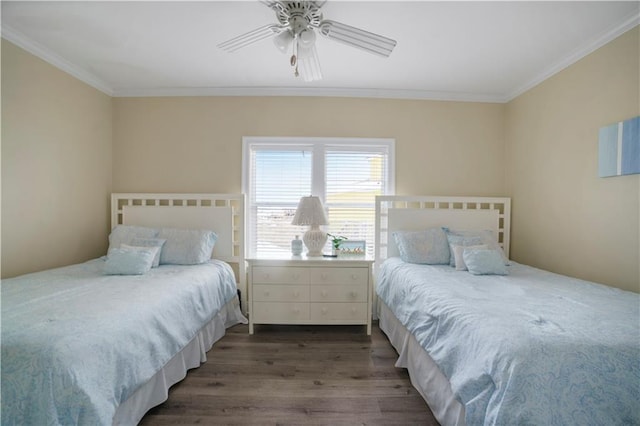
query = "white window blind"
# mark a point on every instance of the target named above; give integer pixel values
(346, 174)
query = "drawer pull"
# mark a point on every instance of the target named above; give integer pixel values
(296, 293)
(353, 294)
(353, 310)
(323, 293)
(324, 311)
(266, 276)
(296, 277)
(266, 293)
(323, 276)
(354, 277)
(296, 310)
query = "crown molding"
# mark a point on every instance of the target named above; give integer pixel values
(54, 59)
(631, 22)
(311, 92)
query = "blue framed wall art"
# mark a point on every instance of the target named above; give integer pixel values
(619, 148)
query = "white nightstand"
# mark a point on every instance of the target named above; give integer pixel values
(315, 290)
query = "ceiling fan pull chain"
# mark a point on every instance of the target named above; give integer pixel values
(294, 56)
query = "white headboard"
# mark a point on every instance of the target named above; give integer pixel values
(419, 212)
(221, 213)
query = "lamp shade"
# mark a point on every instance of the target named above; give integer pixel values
(310, 212)
(283, 41)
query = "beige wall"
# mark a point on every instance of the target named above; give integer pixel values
(540, 149)
(56, 165)
(195, 144)
(565, 218)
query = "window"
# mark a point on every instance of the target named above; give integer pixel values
(345, 173)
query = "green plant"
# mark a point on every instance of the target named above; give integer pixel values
(336, 240)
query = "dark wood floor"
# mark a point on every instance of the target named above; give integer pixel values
(296, 375)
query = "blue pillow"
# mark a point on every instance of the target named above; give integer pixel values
(484, 262)
(428, 246)
(129, 262)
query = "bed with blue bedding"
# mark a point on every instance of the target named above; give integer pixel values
(488, 341)
(530, 347)
(77, 343)
(101, 342)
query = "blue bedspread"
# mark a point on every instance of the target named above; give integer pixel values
(77, 343)
(528, 348)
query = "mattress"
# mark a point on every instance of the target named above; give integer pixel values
(528, 348)
(76, 344)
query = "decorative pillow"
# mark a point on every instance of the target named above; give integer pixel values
(429, 246)
(459, 240)
(186, 246)
(125, 234)
(123, 261)
(149, 242)
(484, 262)
(457, 254)
(470, 237)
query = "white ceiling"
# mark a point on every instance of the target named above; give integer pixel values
(473, 51)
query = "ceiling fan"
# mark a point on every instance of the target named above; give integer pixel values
(298, 22)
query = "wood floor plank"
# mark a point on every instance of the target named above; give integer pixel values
(296, 375)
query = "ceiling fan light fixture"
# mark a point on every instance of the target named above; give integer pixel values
(283, 41)
(307, 38)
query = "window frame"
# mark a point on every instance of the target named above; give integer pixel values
(319, 147)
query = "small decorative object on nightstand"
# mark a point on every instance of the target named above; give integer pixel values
(296, 246)
(353, 248)
(336, 241)
(311, 212)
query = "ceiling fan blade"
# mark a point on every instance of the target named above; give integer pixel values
(308, 63)
(355, 37)
(251, 37)
(274, 5)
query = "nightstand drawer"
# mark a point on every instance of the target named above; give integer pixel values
(280, 293)
(337, 293)
(279, 275)
(280, 312)
(347, 312)
(339, 276)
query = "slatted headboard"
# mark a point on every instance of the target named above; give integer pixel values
(221, 213)
(419, 212)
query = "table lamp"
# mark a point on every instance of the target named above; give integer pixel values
(311, 212)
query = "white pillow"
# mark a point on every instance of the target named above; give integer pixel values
(472, 237)
(150, 242)
(125, 234)
(428, 246)
(156, 251)
(123, 261)
(186, 246)
(484, 262)
(458, 254)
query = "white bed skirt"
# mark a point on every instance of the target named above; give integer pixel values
(156, 390)
(425, 375)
